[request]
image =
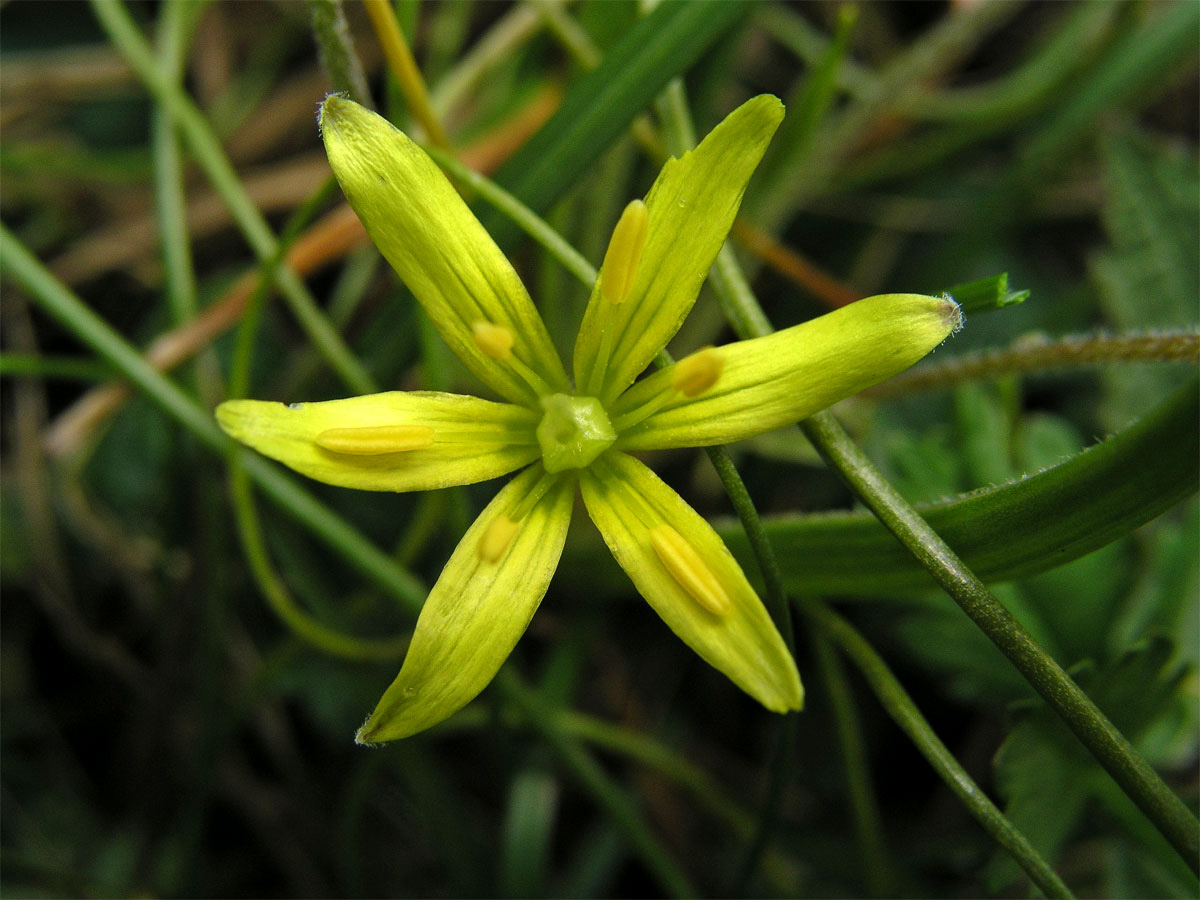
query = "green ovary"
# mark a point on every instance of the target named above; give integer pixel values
(573, 432)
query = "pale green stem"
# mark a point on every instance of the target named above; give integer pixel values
(208, 153)
(535, 226)
(905, 714)
(338, 58)
(510, 32)
(170, 200)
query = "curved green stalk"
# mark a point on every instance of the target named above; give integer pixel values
(207, 149)
(280, 598)
(905, 714)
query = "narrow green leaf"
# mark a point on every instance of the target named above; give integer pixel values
(600, 106)
(1008, 531)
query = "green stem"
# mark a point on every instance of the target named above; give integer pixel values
(1067, 352)
(529, 222)
(254, 546)
(66, 367)
(207, 150)
(1128, 768)
(868, 826)
(176, 22)
(338, 58)
(280, 598)
(905, 714)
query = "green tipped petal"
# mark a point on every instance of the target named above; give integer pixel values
(439, 249)
(679, 564)
(772, 381)
(479, 607)
(689, 210)
(397, 441)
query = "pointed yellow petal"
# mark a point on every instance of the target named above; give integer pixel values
(397, 441)
(777, 380)
(685, 572)
(479, 607)
(688, 213)
(439, 249)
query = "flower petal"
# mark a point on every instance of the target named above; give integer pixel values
(768, 382)
(689, 212)
(479, 607)
(685, 572)
(437, 246)
(396, 441)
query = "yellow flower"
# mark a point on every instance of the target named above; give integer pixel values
(568, 431)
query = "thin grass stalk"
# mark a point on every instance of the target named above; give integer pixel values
(905, 714)
(338, 58)
(115, 20)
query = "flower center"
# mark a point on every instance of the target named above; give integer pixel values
(573, 432)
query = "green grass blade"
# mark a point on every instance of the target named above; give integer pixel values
(600, 106)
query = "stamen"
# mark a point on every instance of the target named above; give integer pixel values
(496, 539)
(624, 253)
(695, 374)
(687, 568)
(494, 340)
(375, 440)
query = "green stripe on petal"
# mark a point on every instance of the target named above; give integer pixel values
(685, 572)
(690, 210)
(772, 381)
(479, 607)
(437, 246)
(396, 441)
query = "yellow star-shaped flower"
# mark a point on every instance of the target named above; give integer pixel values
(566, 432)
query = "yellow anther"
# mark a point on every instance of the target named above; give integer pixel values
(689, 570)
(496, 538)
(375, 440)
(695, 374)
(494, 340)
(623, 254)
